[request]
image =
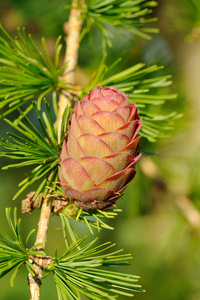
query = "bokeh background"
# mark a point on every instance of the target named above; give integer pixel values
(160, 221)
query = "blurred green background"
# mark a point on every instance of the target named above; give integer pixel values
(160, 222)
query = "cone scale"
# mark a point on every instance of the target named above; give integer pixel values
(100, 149)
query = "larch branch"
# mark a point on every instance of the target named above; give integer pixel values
(36, 281)
(185, 205)
(72, 29)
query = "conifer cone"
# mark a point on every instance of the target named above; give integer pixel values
(100, 149)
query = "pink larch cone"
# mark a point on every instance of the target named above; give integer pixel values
(100, 149)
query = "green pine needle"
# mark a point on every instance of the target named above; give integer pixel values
(36, 149)
(83, 270)
(110, 15)
(26, 72)
(92, 218)
(13, 252)
(147, 90)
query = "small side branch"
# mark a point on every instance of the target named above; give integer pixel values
(184, 204)
(190, 212)
(36, 281)
(44, 221)
(34, 288)
(72, 29)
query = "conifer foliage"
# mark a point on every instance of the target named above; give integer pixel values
(27, 76)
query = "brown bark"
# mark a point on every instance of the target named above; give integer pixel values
(72, 29)
(34, 288)
(36, 281)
